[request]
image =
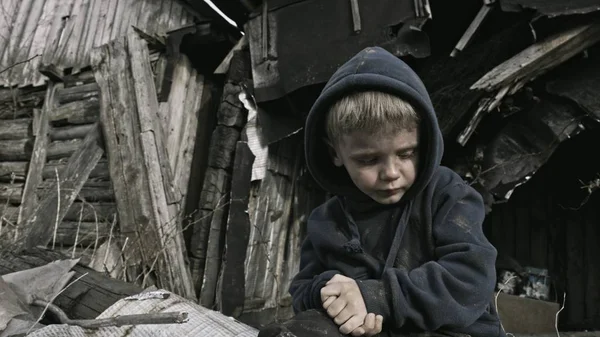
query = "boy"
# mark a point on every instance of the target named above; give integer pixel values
(399, 249)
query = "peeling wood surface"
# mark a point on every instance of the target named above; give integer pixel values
(279, 208)
(137, 161)
(208, 233)
(57, 201)
(540, 57)
(38, 157)
(63, 33)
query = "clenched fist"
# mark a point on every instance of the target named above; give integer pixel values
(344, 303)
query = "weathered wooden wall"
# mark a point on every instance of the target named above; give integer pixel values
(63, 32)
(539, 228)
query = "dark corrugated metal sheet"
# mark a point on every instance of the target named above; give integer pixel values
(62, 32)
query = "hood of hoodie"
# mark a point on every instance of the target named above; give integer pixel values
(373, 68)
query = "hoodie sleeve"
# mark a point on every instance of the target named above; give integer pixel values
(306, 285)
(456, 288)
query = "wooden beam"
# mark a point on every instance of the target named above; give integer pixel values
(38, 227)
(138, 162)
(540, 57)
(232, 290)
(38, 157)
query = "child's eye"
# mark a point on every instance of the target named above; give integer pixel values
(407, 154)
(366, 161)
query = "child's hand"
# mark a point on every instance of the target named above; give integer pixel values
(372, 326)
(343, 302)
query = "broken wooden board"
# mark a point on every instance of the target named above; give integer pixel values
(510, 76)
(38, 227)
(38, 157)
(138, 162)
(539, 58)
(231, 289)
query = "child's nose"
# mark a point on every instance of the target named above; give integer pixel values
(390, 172)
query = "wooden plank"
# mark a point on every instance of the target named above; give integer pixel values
(232, 283)
(187, 141)
(132, 140)
(13, 129)
(38, 157)
(540, 57)
(148, 112)
(36, 228)
(38, 43)
(160, 177)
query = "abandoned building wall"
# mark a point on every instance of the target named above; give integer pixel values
(550, 223)
(62, 33)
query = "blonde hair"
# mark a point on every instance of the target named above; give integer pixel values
(370, 111)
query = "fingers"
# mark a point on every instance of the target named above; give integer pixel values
(369, 322)
(328, 301)
(367, 326)
(343, 317)
(351, 324)
(334, 309)
(334, 289)
(378, 327)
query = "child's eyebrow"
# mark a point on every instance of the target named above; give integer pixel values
(369, 152)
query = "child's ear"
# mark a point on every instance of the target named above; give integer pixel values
(337, 161)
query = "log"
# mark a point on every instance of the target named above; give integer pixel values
(11, 193)
(100, 172)
(86, 298)
(57, 201)
(99, 211)
(78, 93)
(77, 112)
(38, 157)
(19, 102)
(70, 132)
(14, 129)
(63, 148)
(232, 290)
(213, 207)
(15, 150)
(138, 162)
(12, 170)
(90, 192)
(75, 233)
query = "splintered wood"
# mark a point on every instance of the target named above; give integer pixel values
(510, 76)
(139, 165)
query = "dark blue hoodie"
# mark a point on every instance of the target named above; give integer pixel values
(437, 272)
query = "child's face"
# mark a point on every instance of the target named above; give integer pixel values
(382, 165)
